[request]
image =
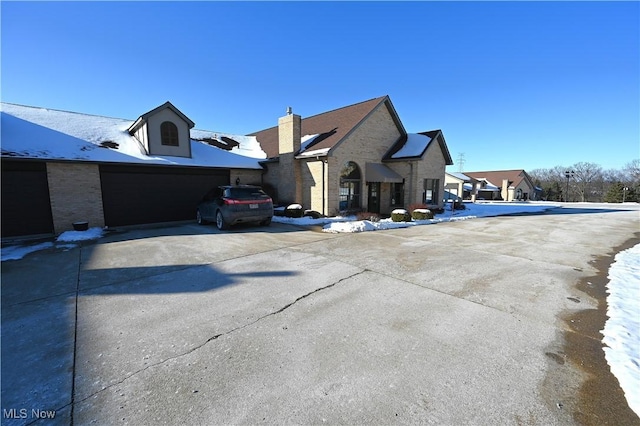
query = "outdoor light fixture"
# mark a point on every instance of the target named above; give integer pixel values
(568, 174)
(237, 181)
(624, 192)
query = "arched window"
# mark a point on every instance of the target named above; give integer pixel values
(350, 186)
(169, 133)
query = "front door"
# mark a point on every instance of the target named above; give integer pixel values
(374, 197)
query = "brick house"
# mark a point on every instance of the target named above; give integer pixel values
(61, 167)
(359, 157)
(505, 185)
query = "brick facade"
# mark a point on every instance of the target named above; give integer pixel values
(318, 179)
(75, 194)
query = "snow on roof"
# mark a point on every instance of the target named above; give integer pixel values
(415, 145)
(31, 132)
(459, 175)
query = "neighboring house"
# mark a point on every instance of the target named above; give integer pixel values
(506, 185)
(61, 167)
(460, 185)
(358, 157)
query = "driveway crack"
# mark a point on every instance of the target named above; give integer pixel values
(215, 337)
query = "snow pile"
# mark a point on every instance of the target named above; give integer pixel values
(18, 252)
(622, 330)
(472, 211)
(89, 234)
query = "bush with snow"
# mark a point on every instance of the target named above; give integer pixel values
(294, 210)
(422, 214)
(400, 215)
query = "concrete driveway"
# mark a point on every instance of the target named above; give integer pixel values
(456, 323)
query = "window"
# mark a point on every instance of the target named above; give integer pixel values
(431, 189)
(397, 194)
(350, 186)
(169, 133)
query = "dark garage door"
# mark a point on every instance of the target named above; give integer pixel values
(134, 195)
(26, 209)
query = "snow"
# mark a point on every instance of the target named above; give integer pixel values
(89, 234)
(622, 329)
(18, 252)
(31, 132)
(63, 242)
(414, 146)
(342, 224)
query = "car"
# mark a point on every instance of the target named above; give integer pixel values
(229, 205)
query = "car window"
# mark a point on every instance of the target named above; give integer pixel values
(246, 193)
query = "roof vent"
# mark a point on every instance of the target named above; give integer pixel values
(289, 111)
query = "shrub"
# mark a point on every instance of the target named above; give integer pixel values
(294, 210)
(313, 214)
(421, 214)
(373, 217)
(414, 206)
(400, 215)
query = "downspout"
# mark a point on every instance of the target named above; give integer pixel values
(410, 201)
(324, 181)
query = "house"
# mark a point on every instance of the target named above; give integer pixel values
(460, 185)
(359, 157)
(62, 167)
(506, 185)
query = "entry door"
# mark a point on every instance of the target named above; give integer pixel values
(374, 197)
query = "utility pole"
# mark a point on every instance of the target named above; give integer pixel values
(460, 161)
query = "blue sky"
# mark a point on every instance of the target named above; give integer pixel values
(511, 84)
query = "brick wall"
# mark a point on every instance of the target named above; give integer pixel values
(247, 177)
(75, 194)
(367, 143)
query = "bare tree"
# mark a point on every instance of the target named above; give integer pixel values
(585, 177)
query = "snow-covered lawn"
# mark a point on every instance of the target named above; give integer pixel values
(472, 211)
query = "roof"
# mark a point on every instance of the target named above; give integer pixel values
(515, 177)
(329, 128)
(412, 146)
(459, 175)
(40, 133)
(167, 105)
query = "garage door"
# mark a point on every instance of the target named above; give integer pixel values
(26, 209)
(133, 195)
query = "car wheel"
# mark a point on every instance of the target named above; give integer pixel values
(266, 222)
(220, 223)
(199, 218)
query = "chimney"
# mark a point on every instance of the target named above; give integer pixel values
(505, 190)
(289, 140)
(289, 132)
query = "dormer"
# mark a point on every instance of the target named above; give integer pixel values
(164, 131)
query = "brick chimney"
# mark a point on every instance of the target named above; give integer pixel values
(289, 140)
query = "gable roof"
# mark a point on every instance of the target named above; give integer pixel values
(330, 128)
(412, 146)
(515, 177)
(144, 117)
(47, 134)
(459, 176)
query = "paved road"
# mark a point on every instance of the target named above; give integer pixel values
(455, 323)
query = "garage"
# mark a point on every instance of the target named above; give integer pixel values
(133, 195)
(25, 199)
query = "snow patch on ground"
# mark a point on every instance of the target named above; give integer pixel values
(66, 238)
(18, 252)
(622, 329)
(89, 234)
